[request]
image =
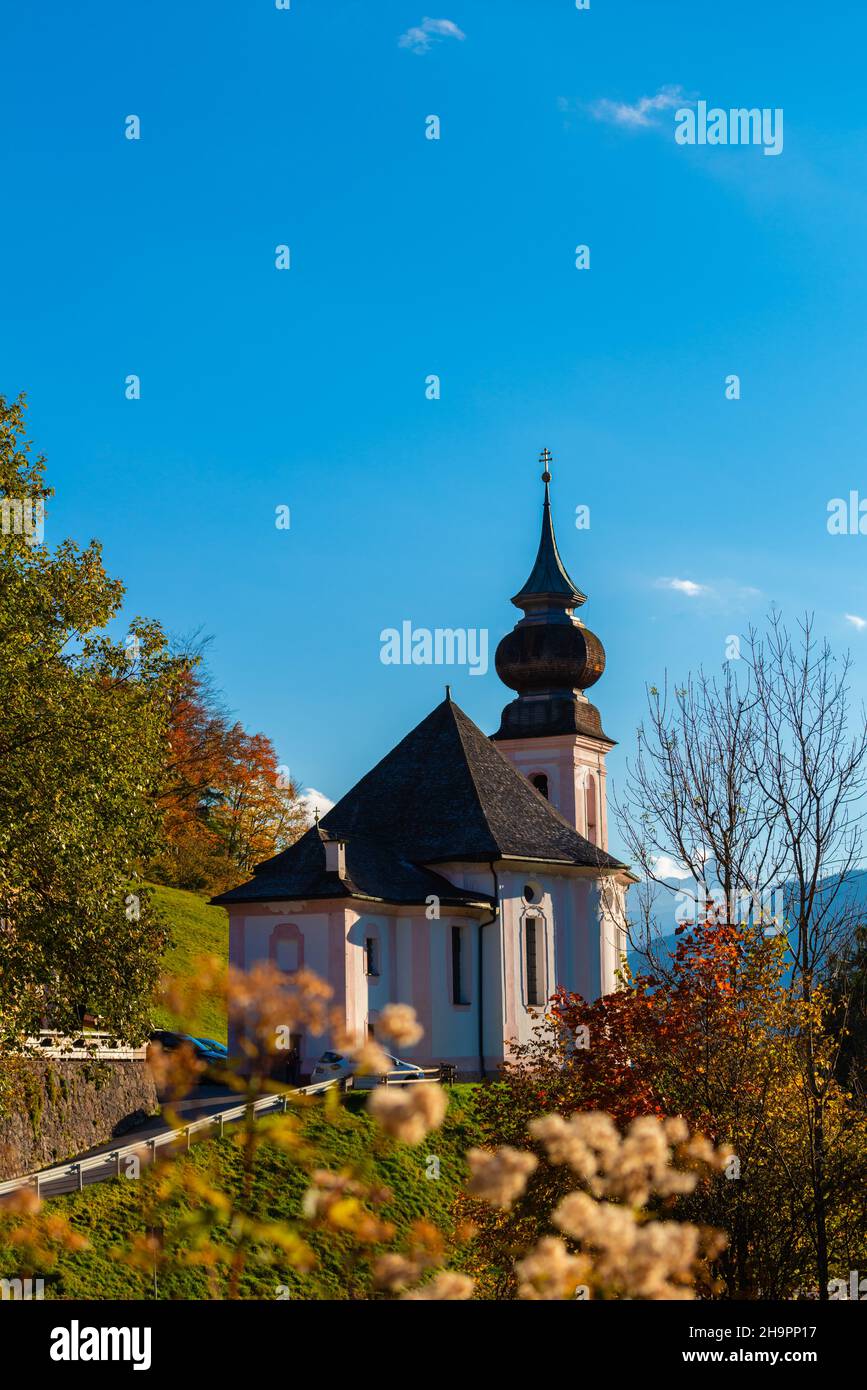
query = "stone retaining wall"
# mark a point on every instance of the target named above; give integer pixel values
(57, 1109)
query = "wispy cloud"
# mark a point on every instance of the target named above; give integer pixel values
(859, 623)
(314, 801)
(638, 114)
(430, 31)
(683, 586)
(666, 867)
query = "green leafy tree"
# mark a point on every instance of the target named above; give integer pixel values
(83, 721)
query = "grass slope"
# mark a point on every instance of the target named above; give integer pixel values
(197, 929)
(110, 1214)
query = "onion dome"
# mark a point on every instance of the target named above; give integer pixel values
(550, 658)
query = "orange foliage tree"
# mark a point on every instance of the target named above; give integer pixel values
(226, 804)
(719, 1038)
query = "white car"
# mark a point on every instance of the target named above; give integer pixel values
(332, 1066)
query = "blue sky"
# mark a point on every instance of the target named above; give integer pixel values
(456, 257)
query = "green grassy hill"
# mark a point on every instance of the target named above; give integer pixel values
(110, 1214)
(197, 929)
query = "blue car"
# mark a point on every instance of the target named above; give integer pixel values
(207, 1050)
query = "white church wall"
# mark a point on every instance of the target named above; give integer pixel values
(516, 910)
(413, 960)
(455, 1036)
(585, 937)
(374, 990)
(461, 1030)
(577, 949)
(611, 914)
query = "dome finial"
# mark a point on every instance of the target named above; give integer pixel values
(546, 458)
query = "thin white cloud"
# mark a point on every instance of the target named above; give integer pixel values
(314, 801)
(683, 586)
(859, 623)
(666, 867)
(638, 114)
(430, 31)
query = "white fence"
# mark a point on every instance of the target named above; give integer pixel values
(90, 1045)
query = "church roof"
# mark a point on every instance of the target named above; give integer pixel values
(444, 793)
(374, 871)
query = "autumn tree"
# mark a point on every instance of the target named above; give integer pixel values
(719, 1040)
(754, 782)
(226, 802)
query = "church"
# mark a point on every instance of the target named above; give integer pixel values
(466, 875)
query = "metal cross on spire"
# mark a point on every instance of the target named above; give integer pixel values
(546, 458)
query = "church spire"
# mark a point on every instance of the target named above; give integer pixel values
(550, 658)
(549, 585)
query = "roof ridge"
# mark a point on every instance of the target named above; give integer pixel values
(546, 804)
(452, 704)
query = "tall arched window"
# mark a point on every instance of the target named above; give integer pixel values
(540, 782)
(592, 810)
(534, 960)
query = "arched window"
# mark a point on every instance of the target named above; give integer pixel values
(534, 960)
(540, 782)
(592, 810)
(286, 947)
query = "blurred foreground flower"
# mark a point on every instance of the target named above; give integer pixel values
(35, 1234)
(634, 1167)
(500, 1176)
(399, 1023)
(446, 1287)
(266, 1006)
(624, 1251)
(409, 1112)
(550, 1272)
(175, 1070)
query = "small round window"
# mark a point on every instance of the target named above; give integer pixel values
(532, 893)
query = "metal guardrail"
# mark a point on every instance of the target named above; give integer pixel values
(399, 1078)
(73, 1177)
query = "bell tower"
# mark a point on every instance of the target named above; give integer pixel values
(551, 732)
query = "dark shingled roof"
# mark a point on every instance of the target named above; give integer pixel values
(373, 871)
(445, 793)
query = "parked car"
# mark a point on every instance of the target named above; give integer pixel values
(207, 1050)
(217, 1052)
(333, 1066)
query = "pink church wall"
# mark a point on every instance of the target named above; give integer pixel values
(566, 761)
(580, 953)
